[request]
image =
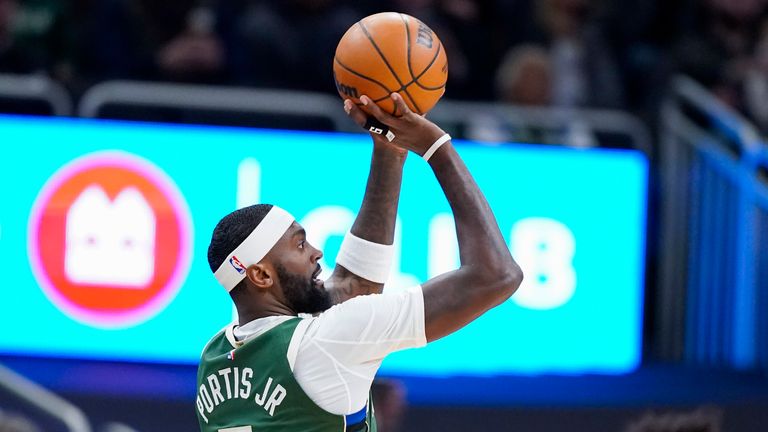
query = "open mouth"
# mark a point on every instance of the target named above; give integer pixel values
(315, 278)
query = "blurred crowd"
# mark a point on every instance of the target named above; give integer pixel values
(566, 53)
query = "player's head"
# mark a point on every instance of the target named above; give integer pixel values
(259, 253)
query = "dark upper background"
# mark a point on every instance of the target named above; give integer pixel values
(586, 53)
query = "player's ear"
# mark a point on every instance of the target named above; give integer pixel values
(260, 275)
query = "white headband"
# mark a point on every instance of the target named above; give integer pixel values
(254, 247)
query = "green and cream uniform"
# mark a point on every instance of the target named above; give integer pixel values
(309, 373)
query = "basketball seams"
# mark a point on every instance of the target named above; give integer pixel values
(386, 62)
(434, 59)
(408, 47)
(408, 51)
(358, 74)
(414, 78)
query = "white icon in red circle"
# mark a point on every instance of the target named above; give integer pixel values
(110, 239)
(110, 242)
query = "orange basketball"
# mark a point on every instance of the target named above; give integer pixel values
(391, 52)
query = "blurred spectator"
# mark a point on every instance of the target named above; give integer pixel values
(584, 73)
(44, 30)
(716, 52)
(12, 59)
(640, 33)
(389, 402)
(16, 423)
(475, 29)
(525, 77)
(756, 81)
(27, 37)
(288, 43)
(195, 53)
(155, 40)
(701, 420)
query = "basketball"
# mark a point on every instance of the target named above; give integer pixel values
(391, 52)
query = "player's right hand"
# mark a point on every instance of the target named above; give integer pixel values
(412, 131)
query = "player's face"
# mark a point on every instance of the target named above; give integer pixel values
(298, 273)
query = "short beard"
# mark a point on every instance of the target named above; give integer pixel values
(302, 295)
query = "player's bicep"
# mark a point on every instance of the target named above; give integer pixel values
(447, 305)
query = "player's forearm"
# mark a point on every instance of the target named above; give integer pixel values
(481, 246)
(375, 223)
(376, 220)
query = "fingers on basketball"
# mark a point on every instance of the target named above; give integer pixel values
(357, 115)
(376, 111)
(400, 104)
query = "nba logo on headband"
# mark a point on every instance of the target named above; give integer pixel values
(237, 264)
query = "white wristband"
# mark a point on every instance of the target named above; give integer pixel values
(366, 259)
(432, 149)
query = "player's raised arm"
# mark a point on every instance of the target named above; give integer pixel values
(364, 259)
(488, 275)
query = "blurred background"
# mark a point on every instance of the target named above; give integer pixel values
(621, 144)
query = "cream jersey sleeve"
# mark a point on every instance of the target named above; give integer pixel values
(336, 354)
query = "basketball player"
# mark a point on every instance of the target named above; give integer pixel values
(305, 352)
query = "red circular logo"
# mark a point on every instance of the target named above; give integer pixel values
(110, 239)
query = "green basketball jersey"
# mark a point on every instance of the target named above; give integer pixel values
(251, 388)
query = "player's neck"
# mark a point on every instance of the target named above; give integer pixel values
(252, 312)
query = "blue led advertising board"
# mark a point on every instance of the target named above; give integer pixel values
(104, 228)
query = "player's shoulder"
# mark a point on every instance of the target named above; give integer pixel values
(221, 337)
(365, 317)
(363, 306)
